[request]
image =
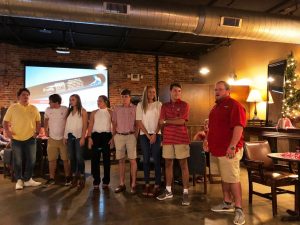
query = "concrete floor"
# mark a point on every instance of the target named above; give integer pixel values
(61, 205)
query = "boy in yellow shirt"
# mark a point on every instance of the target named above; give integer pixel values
(22, 123)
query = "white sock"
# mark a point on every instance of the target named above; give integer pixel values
(185, 191)
(168, 188)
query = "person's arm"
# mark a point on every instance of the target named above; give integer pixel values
(175, 121)
(37, 128)
(84, 127)
(137, 129)
(46, 126)
(114, 122)
(141, 126)
(7, 129)
(90, 129)
(236, 136)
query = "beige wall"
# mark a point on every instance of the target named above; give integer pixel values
(250, 60)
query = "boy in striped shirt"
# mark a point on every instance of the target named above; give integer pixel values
(174, 115)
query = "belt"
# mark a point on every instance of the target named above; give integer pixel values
(126, 133)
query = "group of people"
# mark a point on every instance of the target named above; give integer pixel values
(153, 123)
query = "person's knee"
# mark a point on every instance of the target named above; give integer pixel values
(133, 162)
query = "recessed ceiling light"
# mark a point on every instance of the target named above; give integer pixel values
(62, 50)
(101, 67)
(204, 71)
(45, 31)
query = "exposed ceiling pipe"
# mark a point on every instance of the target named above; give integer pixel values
(176, 18)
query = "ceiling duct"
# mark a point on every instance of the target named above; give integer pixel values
(215, 22)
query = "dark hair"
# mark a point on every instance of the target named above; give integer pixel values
(175, 85)
(226, 85)
(79, 105)
(126, 92)
(21, 90)
(105, 99)
(55, 98)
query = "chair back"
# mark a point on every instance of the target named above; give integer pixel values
(258, 151)
(197, 159)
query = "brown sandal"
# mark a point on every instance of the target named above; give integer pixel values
(146, 190)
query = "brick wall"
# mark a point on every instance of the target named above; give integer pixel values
(120, 65)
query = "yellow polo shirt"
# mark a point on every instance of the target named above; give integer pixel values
(22, 120)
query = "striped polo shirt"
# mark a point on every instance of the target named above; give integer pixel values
(175, 134)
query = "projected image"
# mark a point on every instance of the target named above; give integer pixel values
(44, 81)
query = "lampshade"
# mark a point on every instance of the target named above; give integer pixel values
(254, 96)
(270, 98)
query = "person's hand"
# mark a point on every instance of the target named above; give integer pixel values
(35, 135)
(205, 146)
(111, 141)
(152, 139)
(161, 122)
(65, 141)
(230, 153)
(8, 134)
(90, 143)
(82, 141)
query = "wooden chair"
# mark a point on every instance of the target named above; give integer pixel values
(262, 170)
(197, 162)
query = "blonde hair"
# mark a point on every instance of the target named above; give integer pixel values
(145, 98)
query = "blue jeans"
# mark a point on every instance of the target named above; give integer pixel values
(75, 155)
(153, 149)
(24, 150)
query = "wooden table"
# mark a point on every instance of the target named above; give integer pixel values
(291, 157)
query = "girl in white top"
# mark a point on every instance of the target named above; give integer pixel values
(147, 117)
(75, 130)
(99, 139)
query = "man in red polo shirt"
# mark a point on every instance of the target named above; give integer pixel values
(227, 120)
(173, 117)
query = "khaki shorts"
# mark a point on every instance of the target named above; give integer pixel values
(125, 143)
(55, 148)
(230, 168)
(178, 151)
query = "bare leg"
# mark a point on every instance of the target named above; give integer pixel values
(185, 172)
(226, 191)
(122, 171)
(133, 169)
(236, 191)
(169, 171)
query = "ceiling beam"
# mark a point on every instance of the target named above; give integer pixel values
(124, 38)
(27, 44)
(278, 7)
(73, 32)
(211, 3)
(13, 33)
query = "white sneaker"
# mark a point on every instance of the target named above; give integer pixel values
(19, 184)
(31, 183)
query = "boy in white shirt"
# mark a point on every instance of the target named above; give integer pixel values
(55, 120)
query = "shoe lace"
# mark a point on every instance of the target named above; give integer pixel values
(238, 216)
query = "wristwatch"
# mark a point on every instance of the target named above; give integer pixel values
(232, 148)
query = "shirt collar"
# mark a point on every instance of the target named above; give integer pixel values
(177, 101)
(219, 101)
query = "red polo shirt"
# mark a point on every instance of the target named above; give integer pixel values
(224, 116)
(175, 134)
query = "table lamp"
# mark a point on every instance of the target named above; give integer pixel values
(254, 96)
